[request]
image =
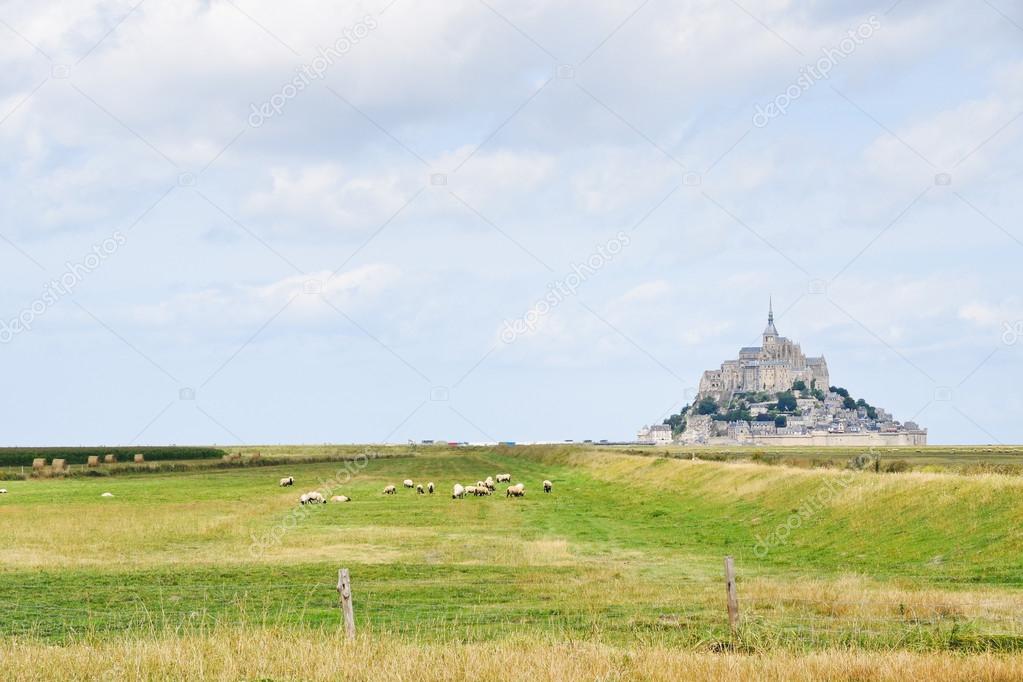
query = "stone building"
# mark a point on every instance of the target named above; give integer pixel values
(772, 366)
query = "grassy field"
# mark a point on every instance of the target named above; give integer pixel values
(849, 574)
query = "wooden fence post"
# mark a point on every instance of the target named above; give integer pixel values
(733, 596)
(344, 589)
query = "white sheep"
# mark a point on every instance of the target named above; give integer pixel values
(429, 486)
(107, 495)
(489, 482)
(457, 492)
(470, 490)
(419, 489)
(287, 480)
(504, 478)
(390, 490)
(407, 483)
(3, 491)
(340, 498)
(517, 490)
(547, 486)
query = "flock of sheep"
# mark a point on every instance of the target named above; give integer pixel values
(459, 491)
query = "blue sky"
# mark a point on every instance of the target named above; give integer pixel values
(342, 266)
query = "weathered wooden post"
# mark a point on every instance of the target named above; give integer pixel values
(344, 589)
(733, 596)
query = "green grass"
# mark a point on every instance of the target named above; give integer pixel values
(626, 549)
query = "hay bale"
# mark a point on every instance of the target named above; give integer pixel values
(139, 458)
(256, 457)
(38, 463)
(110, 459)
(93, 460)
(59, 466)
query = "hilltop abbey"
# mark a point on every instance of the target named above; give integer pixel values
(771, 367)
(773, 394)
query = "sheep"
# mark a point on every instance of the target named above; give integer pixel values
(547, 486)
(419, 489)
(457, 492)
(340, 498)
(107, 495)
(482, 491)
(390, 490)
(470, 490)
(517, 490)
(429, 486)
(288, 480)
(504, 478)
(3, 491)
(489, 482)
(407, 483)
(312, 497)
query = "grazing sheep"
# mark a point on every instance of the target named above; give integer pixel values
(3, 491)
(288, 480)
(407, 483)
(340, 498)
(390, 490)
(304, 499)
(489, 482)
(470, 490)
(457, 492)
(429, 486)
(504, 478)
(547, 486)
(517, 490)
(312, 497)
(419, 489)
(107, 495)
(482, 491)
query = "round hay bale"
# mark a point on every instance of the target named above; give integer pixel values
(93, 460)
(38, 463)
(59, 466)
(139, 458)
(256, 457)
(110, 459)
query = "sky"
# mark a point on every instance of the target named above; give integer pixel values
(245, 221)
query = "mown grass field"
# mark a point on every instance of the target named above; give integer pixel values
(623, 560)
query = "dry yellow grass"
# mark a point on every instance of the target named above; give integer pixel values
(285, 655)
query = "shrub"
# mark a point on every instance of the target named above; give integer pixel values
(75, 455)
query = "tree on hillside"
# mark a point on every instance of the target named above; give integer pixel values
(799, 385)
(780, 421)
(707, 406)
(848, 403)
(786, 401)
(840, 391)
